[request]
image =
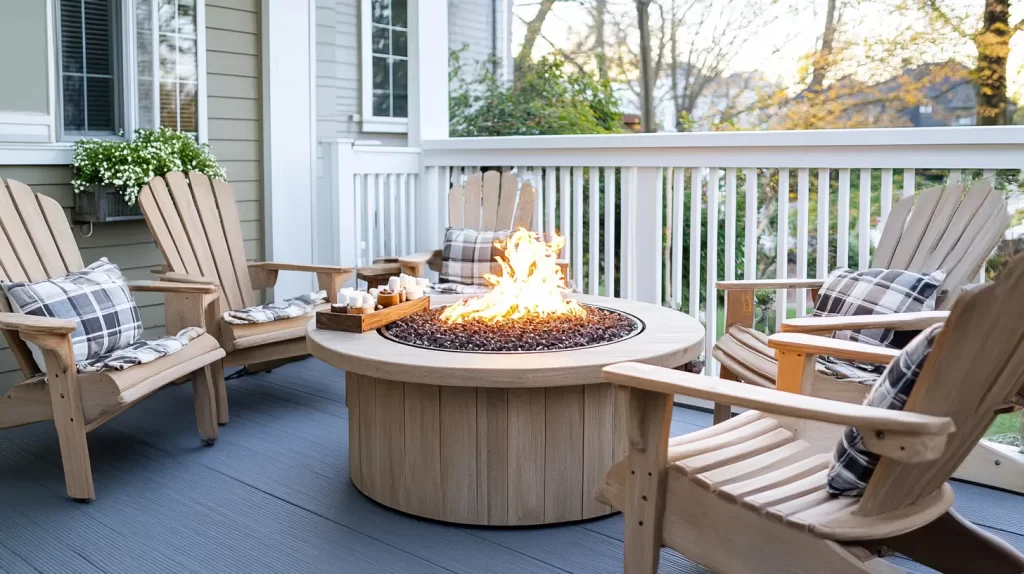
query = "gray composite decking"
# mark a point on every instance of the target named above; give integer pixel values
(274, 495)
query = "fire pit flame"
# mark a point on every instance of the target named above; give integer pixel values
(531, 285)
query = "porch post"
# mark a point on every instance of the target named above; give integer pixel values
(289, 138)
(428, 109)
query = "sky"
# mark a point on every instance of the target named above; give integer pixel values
(778, 47)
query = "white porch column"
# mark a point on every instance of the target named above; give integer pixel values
(428, 108)
(646, 212)
(289, 138)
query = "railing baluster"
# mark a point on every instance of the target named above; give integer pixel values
(955, 176)
(803, 191)
(564, 197)
(402, 182)
(439, 188)
(609, 231)
(730, 224)
(886, 196)
(678, 215)
(550, 197)
(843, 221)
(909, 182)
(711, 293)
(988, 174)
(392, 218)
(864, 220)
(782, 248)
(750, 239)
(381, 182)
(411, 189)
(695, 209)
(577, 227)
(594, 277)
(536, 176)
(357, 232)
(824, 214)
(627, 254)
(371, 217)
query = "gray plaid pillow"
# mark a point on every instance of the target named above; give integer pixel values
(96, 298)
(853, 465)
(877, 292)
(467, 254)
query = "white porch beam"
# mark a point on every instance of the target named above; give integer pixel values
(428, 110)
(289, 138)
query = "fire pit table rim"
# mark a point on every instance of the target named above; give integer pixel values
(669, 339)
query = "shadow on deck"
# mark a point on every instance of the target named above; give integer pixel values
(274, 495)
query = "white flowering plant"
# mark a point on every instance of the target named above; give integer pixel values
(129, 165)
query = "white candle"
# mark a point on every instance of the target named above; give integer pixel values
(394, 284)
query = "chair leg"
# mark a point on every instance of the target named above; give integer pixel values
(220, 390)
(203, 394)
(724, 412)
(650, 416)
(953, 545)
(66, 402)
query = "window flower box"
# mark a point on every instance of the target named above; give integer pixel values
(104, 204)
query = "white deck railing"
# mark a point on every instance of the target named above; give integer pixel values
(658, 185)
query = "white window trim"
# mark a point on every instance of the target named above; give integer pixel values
(40, 148)
(369, 122)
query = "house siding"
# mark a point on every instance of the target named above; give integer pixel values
(470, 22)
(234, 115)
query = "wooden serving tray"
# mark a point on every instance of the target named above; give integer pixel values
(370, 321)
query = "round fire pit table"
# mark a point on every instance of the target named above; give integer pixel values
(496, 439)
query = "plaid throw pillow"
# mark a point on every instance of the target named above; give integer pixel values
(96, 298)
(877, 292)
(468, 254)
(853, 465)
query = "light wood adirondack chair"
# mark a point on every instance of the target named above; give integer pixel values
(491, 201)
(36, 243)
(942, 228)
(195, 223)
(746, 496)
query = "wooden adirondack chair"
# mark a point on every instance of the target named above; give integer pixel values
(36, 244)
(746, 496)
(491, 201)
(195, 223)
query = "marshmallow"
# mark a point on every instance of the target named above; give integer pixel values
(355, 299)
(414, 293)
(406, 281)
(394, 283)
(422, 282)
(368, 301)
(374, 292)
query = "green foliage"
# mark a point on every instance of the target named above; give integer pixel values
(129, 164)
(546, 99)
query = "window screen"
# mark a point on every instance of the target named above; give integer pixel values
(390, 58)
(90, 59)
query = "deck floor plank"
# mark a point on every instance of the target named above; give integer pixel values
(274, 495)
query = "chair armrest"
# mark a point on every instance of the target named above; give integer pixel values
(38, 325)
(897, 321)
(816, 345)
(415, 264)
(272, 266)
(868, 419)
(769, 284)
(174, 277)
(172, 287)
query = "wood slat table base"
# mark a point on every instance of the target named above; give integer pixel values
(487, 456)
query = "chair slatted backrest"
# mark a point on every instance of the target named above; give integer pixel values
(975, 369)
(491, 201)
(36, 244)
(944, 228)
(195, 223)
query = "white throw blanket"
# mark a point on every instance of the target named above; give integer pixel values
(294, 307)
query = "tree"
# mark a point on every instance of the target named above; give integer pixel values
(646, 70)
(533, 28)
(545, 98)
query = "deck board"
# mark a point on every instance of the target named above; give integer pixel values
(274, 495)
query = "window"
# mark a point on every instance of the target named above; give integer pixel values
(925, 109)
(90, 60)
(160, 82)
(385, 65)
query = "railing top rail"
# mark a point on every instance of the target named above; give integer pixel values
(938, 136)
